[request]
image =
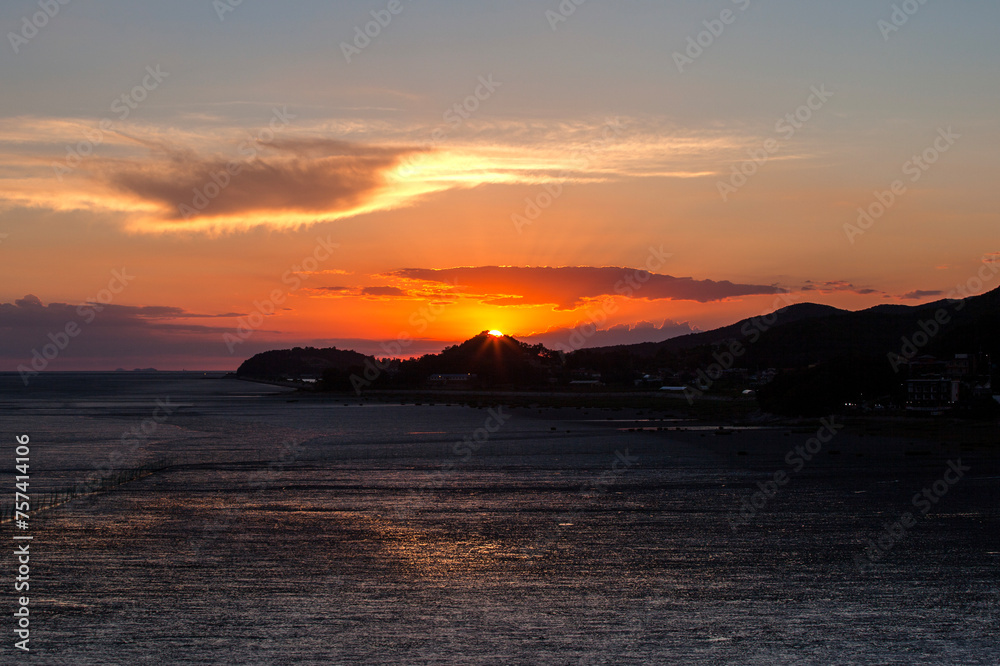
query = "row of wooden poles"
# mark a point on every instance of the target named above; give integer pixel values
(48, 499)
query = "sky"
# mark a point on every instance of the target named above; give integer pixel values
(185, 184)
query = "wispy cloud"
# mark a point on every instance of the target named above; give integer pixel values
(835, 286)
(161, 178)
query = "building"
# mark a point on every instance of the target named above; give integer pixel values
(585, 384)
(962, 366)
(464, 380)
(932, 394)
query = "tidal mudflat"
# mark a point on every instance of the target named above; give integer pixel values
(289, 529)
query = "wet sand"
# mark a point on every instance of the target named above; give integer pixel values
(314, 532)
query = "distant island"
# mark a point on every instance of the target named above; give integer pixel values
(802, 360)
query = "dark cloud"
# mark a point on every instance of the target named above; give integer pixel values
(570, 287)
(29, 301)
(383, 291)
(317, 176)
(920, 293)
(103, 336)
(150, 336)
(332, 292)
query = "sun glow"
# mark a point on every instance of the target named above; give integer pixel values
(496, 334)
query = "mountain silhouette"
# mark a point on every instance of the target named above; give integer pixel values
(299, 362)
(808, 333)
(740, 329)
(494, 360)
(824, 356)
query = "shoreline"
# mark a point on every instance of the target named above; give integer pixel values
(718, 411)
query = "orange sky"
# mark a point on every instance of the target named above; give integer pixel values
(549, 174)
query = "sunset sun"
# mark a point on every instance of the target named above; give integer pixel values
(496, 334)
